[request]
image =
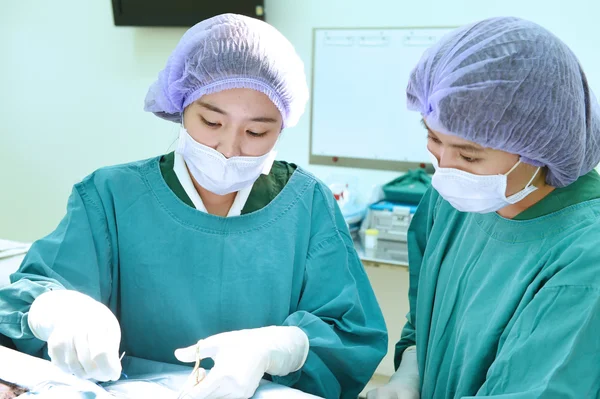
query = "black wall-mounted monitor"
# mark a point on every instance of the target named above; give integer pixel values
(183, 13)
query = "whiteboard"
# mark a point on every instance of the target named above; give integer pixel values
(359, 115)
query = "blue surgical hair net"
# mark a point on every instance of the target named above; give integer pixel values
(226, 52)
(511, 85)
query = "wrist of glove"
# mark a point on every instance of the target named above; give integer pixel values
(242, 358)
(404, 383)
(82, 334)
(287, 349)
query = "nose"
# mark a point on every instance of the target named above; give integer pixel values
(448, 159)
(229, 145)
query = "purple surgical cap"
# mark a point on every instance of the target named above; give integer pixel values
(226, 52)
(510, 85)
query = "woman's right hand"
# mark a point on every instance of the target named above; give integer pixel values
(82, 334)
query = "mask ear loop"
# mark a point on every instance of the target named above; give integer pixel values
(533, 177)
(513, 168)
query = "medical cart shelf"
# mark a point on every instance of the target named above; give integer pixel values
(376, 262)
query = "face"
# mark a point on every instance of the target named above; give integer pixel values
(236, 122)
(456, 153)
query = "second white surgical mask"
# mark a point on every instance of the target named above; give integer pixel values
(468, 192)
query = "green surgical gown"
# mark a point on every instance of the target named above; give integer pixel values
(173, 275)
(507, 308)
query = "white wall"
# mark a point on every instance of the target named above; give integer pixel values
(72, 90)
(73, 87)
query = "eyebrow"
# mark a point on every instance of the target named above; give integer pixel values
(210, 107)
(465, 147)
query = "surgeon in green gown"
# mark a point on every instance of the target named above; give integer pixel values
(215, 252)
(504, 250)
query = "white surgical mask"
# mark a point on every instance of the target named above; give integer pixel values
(218, 174)
(468, 192)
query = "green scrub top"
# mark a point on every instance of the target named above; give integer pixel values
(507, 308)
(173, 275)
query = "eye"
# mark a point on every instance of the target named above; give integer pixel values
(209, 124)
(433, 139)
(469, 159)
(254, 134)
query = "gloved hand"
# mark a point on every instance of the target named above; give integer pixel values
(405, 383)
(83, 335)
(242, 358)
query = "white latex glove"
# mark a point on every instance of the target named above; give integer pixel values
(405, 383)
(242, 358)
(83, 335)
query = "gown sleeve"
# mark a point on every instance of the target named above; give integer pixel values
(418, 234)
(338, 312)
(75, 256)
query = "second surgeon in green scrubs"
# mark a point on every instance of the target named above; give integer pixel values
(504, 250)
